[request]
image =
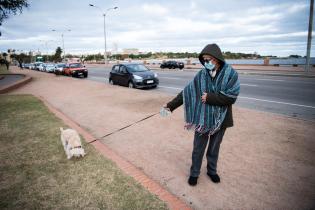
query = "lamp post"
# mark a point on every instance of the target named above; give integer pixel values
(46, 48)
(104, 15)
(63, 43)
(309, 37)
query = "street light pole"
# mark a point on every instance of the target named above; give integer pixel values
(104, 15)
(46, 46)
(309, 37)
(63, 43)
(105, 52)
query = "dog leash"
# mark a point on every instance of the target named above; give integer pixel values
(123, 128)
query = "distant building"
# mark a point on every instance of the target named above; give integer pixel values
(130, 51)
(72, 60)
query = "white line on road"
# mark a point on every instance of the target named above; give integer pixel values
(171, 87)
(275, 80)
(277, 102)
(256, 99)
(173, 78)
(182, 88)
(248, 85)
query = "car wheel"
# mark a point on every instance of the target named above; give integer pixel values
(130, 85)
(85, 75)
(111, 82)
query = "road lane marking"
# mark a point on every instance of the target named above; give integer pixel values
(242, 84)
(170, 87)
(277, 102)
(173, 78)
(256, 99)
(275, 80)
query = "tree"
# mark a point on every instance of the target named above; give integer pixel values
(21, 58)
(8, 7)
(57, 56)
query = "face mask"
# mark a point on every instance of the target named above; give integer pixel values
(209, 65)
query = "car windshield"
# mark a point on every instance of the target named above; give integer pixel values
(50, 65)
(75, 65)
(61, 65)
(137, 68)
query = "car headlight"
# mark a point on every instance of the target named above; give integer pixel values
(155, 75)
(138, 78)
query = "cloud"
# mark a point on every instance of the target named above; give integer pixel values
(163, 25)
(154, 9)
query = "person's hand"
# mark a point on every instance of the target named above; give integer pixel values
(164, 112)
(204, 97)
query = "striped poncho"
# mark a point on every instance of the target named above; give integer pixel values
(204, 117)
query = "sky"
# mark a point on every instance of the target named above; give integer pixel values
(266, 27)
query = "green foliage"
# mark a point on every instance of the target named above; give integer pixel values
(295, 56)
(230, 55)
(57, 56)
(96, 57)
(21, 58)
(8, 7)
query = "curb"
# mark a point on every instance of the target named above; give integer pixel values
(152, 186)
(15, 85)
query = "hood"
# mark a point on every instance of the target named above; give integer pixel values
(213, 50)
(144, 74)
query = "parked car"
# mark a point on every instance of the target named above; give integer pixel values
(75, 70)
(41, 67)
(49, 67)
(59, 68)
(26, 65)
(37, 65)
(32, 66)
(133, 76)
(172, 65)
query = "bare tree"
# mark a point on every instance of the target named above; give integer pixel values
(8, 7)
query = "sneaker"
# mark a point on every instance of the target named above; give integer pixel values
(192, 181)
(215, 178)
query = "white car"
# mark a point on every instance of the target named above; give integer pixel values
(41, 67)
(50, 67)
(59, 67)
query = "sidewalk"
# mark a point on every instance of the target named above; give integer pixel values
(266, 161)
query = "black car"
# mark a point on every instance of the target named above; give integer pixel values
(172, 65)
(133, 76)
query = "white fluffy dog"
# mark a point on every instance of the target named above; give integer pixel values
(71, 143)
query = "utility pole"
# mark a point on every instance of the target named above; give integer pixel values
(63, 43)
(104, 15)
(309, 37)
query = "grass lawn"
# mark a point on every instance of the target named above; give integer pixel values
(35, 173)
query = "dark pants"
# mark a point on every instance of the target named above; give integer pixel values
(200, 144)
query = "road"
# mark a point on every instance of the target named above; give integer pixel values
(290, 96)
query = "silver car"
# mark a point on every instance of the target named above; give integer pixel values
(50, 67)
(59, 67)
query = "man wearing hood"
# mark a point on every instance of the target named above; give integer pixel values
(208, 100)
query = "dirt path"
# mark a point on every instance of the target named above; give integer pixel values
(266, 161)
